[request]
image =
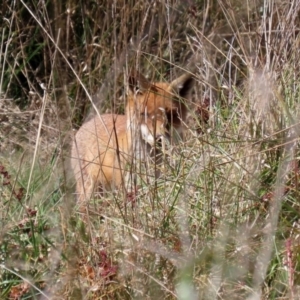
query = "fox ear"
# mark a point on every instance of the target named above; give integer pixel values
(182, 85)
(137, 83)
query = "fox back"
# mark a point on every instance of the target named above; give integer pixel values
(102, 147)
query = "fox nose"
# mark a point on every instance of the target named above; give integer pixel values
(159, 137)
(160, 140)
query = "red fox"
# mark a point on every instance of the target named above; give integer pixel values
(105, 144)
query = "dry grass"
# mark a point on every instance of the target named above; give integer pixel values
(223, 221)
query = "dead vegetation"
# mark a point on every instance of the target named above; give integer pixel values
(223, 221)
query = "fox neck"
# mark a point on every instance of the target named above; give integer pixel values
(137, 146)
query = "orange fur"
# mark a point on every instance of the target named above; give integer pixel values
(104, 145)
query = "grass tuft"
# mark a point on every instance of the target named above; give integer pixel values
(223, 220)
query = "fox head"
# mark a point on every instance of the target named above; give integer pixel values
(157, 108)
